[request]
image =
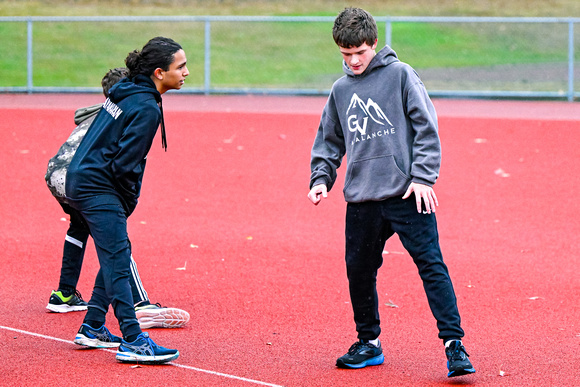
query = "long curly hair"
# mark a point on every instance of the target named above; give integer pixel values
(157, 53)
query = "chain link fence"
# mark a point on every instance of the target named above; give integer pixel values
(455, 56)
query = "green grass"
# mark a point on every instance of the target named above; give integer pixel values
(564, 8)
(463, 45)
(13, 54)
(301, 55)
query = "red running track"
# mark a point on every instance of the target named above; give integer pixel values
(264, 277)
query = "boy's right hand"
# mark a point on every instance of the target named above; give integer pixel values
(317, 193)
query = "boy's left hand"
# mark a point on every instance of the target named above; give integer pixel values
(425, 194)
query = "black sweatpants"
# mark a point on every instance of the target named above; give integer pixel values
(368, 226)
(107, 224)
(74, 252)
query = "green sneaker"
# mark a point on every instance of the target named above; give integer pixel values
(61, 304)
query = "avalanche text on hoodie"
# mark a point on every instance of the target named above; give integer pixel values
(384, 120)
(111, 158)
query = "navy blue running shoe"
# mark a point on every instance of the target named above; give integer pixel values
(360, 355)
(144, 350)
(457, 360)
(96, 338)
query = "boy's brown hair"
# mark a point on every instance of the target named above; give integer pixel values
(353, 27)
(112, 77)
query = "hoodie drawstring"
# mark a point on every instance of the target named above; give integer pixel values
(163, 136)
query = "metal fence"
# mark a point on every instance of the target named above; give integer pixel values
(521, 57)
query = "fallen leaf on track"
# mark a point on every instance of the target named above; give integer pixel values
(500, 172)
(391, 304)
(501, 372)
(229, 140)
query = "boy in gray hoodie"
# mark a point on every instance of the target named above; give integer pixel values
(380, 114)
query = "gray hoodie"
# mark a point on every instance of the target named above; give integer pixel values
(384, 120)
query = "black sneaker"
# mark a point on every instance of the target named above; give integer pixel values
(360, 355)
(457, 360)
(60, 304)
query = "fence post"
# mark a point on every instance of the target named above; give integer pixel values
(571, 61)
(388, 33)
(29, 84)
(207, 63)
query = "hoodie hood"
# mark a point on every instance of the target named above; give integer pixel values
(383, 58)
(129, 86)
(85, 113)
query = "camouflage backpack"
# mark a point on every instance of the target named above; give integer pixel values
(58, 165)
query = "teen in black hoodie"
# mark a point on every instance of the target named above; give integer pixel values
(67, 298)
(103, 183)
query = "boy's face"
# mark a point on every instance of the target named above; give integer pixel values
(358, 58)
(174, 77)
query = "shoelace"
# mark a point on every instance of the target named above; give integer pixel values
(458, 352)
(150, 341)
(78, 294)
(356, 346)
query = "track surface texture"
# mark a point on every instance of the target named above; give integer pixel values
(224, 230)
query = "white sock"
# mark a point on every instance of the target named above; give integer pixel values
(450, 341)
(375, 342)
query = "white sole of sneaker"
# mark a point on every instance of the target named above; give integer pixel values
(81, 339)
(129, 357)
(64, 308)
(162, 318)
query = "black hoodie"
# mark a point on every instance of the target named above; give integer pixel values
(110, 160)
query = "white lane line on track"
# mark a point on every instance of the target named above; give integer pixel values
(171, 363)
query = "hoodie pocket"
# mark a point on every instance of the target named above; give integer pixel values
(375, 178)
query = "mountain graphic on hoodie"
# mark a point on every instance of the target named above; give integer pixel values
(364, 110)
